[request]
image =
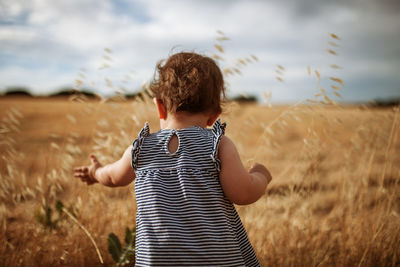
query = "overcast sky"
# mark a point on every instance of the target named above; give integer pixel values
(46, 45)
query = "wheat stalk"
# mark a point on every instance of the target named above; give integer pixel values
(389, 144)
(86, 232)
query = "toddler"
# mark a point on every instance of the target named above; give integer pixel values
(187, 176)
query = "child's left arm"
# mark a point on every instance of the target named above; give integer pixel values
(119, 173)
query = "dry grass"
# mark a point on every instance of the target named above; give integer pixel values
(334, 199)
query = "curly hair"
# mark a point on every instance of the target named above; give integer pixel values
(189, 82)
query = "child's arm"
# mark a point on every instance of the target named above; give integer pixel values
(240, 186)
(119, 173)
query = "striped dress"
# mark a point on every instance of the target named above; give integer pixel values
(183, 217)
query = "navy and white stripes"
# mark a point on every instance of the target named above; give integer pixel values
(183, 217)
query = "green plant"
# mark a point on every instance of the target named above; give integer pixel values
(125, 255)
(44, 215)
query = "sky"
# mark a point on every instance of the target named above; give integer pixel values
(114, 45)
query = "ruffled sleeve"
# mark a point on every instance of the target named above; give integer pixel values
(138, 143)
(218, 131)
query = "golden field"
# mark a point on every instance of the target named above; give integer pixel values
(334, 199)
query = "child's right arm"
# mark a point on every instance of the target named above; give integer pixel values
(119, 173)
(240, 186)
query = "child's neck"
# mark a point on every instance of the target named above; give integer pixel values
(181, 120)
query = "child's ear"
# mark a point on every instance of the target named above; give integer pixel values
(213, 117)
(162, 111)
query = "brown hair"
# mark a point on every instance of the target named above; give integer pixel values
(189, 82)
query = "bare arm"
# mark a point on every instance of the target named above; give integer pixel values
(240, 186)
(119, 173)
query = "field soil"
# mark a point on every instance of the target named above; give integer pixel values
(334, 199)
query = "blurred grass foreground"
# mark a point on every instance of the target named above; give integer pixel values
(334, 200)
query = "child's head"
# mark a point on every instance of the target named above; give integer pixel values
(189, 82)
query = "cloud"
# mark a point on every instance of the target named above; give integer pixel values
(61, 37)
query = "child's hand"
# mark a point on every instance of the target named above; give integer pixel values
(259, 168)
(88, 173)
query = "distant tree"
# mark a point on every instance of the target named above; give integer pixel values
(390, 102)
(17, 91)
(141, 95)
(245, 99)
(67, 92)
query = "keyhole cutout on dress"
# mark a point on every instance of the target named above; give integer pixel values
(173, 144)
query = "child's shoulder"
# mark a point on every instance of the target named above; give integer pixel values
(225, 143)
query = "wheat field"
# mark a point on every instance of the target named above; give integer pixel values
(334, 199)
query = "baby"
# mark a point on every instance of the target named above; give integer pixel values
(187, 176)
